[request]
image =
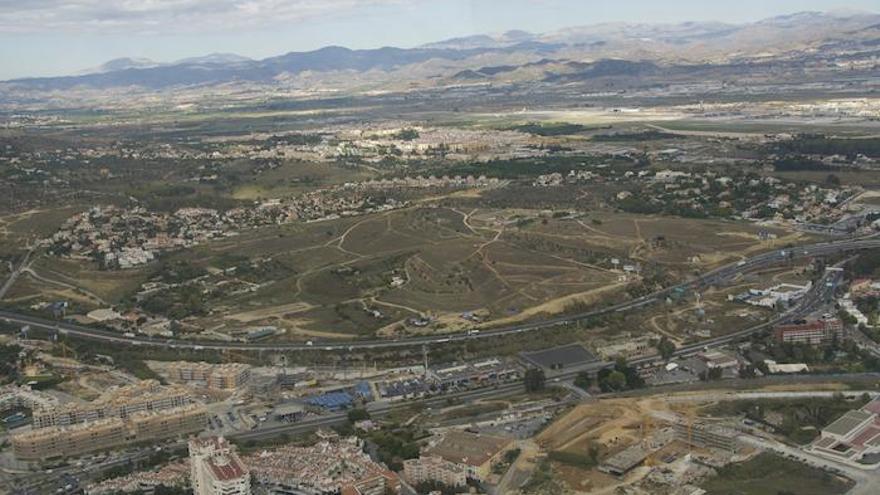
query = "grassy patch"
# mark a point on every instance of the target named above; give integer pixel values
(769, 474)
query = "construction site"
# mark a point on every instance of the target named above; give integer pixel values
(665, 445)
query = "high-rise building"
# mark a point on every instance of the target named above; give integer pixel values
(215, 468)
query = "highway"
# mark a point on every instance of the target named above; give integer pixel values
(16, 271)
(712, 277)
(820, 293)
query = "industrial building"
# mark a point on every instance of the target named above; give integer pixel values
(558, 358)
(215, 468)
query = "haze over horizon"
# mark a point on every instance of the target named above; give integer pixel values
(56, 37)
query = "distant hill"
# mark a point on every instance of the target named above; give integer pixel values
(575, 53)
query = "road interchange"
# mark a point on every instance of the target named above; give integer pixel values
(713, 277)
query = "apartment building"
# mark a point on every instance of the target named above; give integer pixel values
(67, 441)
(227, 376)
(55, 442)
(119, 402)
(815, 332)
(215, 468)
(435, 469)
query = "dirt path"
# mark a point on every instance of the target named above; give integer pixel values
(91, 295)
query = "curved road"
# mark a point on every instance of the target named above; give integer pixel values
(712, 277)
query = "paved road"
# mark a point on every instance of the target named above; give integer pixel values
(713, 277)
(15, 273)
(867, 480)
(819, 293)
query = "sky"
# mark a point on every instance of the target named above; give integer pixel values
(62, 37)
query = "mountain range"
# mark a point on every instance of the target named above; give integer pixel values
(584, 51)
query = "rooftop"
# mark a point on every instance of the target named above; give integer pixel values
(626, 459)
(560, 357)
(847, 423)
(468, 448)
(226, 468)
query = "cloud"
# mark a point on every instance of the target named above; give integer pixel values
(168, 16)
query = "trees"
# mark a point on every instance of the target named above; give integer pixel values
(621, 377)
(615, 381)
(666, 348)
(358, 414)
(535, 380)
(712, 374)
(583, 380)
(832, 180)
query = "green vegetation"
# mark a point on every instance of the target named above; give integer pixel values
(798, 420)
(769, 474)
(633, 136)
(407, 134)
(177, 303)
(583, 380)
(547, 129)
(812, 144)
(8, 360)
(524, 167)
(357, 414)
(866, 265)
(543, 481)
(472, 410)
(160, 490)
(509, 458)
(583, 461)
(535, 381)
(155, 459)
(394, 446)
(666, 348)
(621, 377)
(799, 163)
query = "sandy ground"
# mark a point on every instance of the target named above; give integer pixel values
(270, 312)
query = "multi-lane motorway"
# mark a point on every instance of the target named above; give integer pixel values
(820, 293)
(713, 277)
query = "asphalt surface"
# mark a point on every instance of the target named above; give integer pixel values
(820, 293)
(713, 277)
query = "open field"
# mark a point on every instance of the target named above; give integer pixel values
(369, 275)
(18, 230)
(445, 261)
(770, 474)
